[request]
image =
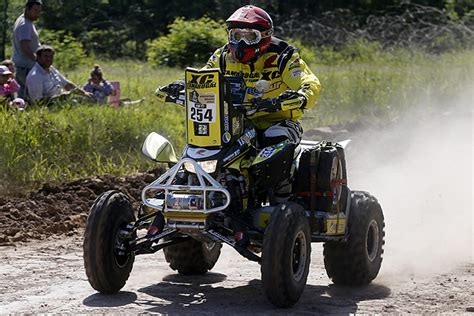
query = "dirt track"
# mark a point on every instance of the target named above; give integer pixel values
(57, 209)
(427, 264)
(48, 277)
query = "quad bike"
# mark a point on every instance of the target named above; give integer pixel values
(223, 188)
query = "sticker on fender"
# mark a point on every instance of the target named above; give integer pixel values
(202, 108)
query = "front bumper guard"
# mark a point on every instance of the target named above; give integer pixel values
(207, 185)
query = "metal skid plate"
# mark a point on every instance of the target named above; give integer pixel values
(165, 184)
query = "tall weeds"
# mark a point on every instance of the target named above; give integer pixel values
(359, 83)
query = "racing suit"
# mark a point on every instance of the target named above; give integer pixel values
(282, 67)
(284, 70)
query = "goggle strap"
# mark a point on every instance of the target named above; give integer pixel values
(267, 33)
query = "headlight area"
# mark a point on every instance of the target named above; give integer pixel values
(208, 166)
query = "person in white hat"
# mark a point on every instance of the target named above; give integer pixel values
(8, 86)
(8, 89)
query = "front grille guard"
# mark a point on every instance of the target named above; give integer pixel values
(164, 183)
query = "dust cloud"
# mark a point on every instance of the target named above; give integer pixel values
(421, 171)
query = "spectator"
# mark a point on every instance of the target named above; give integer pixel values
(8, 85)
(10, 65)
(8, 88)
(98, 86)
(25, 42)
(44, 83)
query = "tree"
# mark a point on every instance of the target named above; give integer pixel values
(9, 10)
(3, 32)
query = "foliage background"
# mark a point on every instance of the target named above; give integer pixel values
(365, 77)
(73, 141)
(127, 25)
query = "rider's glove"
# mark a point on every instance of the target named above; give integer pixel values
(172, 92)
(173, 89)
(291, 100)
(267, 105)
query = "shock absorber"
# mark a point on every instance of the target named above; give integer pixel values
(157, 225)
(243, 189)
(233, 185)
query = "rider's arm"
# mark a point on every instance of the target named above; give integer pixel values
(300, 78)
(214, 60)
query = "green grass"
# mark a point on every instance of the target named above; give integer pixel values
(384, 85)
(80, 140)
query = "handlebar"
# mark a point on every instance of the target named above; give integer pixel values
(175, 93)
(165, 96)
(256, 105)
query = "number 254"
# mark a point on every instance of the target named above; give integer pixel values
(199, 114)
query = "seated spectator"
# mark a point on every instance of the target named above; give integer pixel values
(8, 89)
(8, 85)
(45, 84)
(10, 65)
(98, 86)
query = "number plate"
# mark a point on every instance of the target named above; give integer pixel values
(202, 108)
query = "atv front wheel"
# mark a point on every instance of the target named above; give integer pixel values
(357, 261)
(107, 267)
(192, 257)
(286, 255)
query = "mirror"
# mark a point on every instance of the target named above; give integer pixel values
(159, 148)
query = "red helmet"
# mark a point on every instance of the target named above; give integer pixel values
(250, 33)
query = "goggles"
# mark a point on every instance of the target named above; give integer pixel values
(249, 36)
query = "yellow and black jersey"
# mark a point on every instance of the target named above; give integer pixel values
(283, 68)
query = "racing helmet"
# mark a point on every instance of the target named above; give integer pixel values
(250, 30)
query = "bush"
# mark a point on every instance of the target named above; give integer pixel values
(188, 43)
(77, 140)
(307, 52)
(74, 141)
(356, 50)
(112, 43)
(69, 50)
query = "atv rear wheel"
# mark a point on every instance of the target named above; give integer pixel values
(286, 255)
(192, 257)
(357, 261)
(107, 267)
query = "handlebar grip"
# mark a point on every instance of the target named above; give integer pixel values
(267, 105)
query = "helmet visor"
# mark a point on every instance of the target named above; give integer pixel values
(249, 36)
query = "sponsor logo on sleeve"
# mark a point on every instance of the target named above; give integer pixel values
(294, 64)
(296, 73)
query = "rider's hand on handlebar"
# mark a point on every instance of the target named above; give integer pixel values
(173, 89)
(173, 92)
(290, 100)
(267, 105)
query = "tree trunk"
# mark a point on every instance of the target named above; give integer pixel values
(3, 34)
